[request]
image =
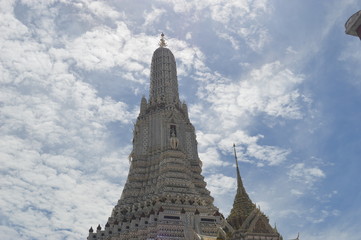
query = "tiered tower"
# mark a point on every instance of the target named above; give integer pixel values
(165, 195)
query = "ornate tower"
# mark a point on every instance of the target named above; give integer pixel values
(165, 195)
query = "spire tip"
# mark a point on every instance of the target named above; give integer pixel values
(162, 42)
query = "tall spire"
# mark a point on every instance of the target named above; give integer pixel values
(242, 205)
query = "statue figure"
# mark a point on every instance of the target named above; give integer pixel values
(174, 141)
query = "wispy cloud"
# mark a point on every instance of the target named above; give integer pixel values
(65, 137)
(305, 174)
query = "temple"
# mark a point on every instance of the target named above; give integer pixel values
(165, 195)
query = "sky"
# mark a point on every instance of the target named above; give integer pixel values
(280, 79)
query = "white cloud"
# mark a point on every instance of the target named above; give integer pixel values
(256, 36)
(63, 166)
(219, 184)
(271, 154)
(271, 89)
(308, 175)
(221, 11)
(350, 59)
(223, 189)
(55, 136)
(9, 233)
(240, 138)
(237, 17)
(290, 50)
(248, 149)
(210, 158)
(100, 48)
(153, 16)
(206, 139)
(100, 8)
(234, 41)
(296, 192)
(347, 232)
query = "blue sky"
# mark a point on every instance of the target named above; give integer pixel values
(278, 78)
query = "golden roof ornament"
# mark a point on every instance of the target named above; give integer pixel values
(162, 42)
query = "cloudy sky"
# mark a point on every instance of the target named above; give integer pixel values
(278, 78)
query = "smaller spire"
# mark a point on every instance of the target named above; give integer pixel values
(91, 229)
(242, 205)
(99, 228)
(162, 42)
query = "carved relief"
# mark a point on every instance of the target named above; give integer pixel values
(189, 145)
(145, 139)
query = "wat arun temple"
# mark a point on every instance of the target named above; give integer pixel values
(165, 195)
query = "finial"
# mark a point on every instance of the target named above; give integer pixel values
(162, 42)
